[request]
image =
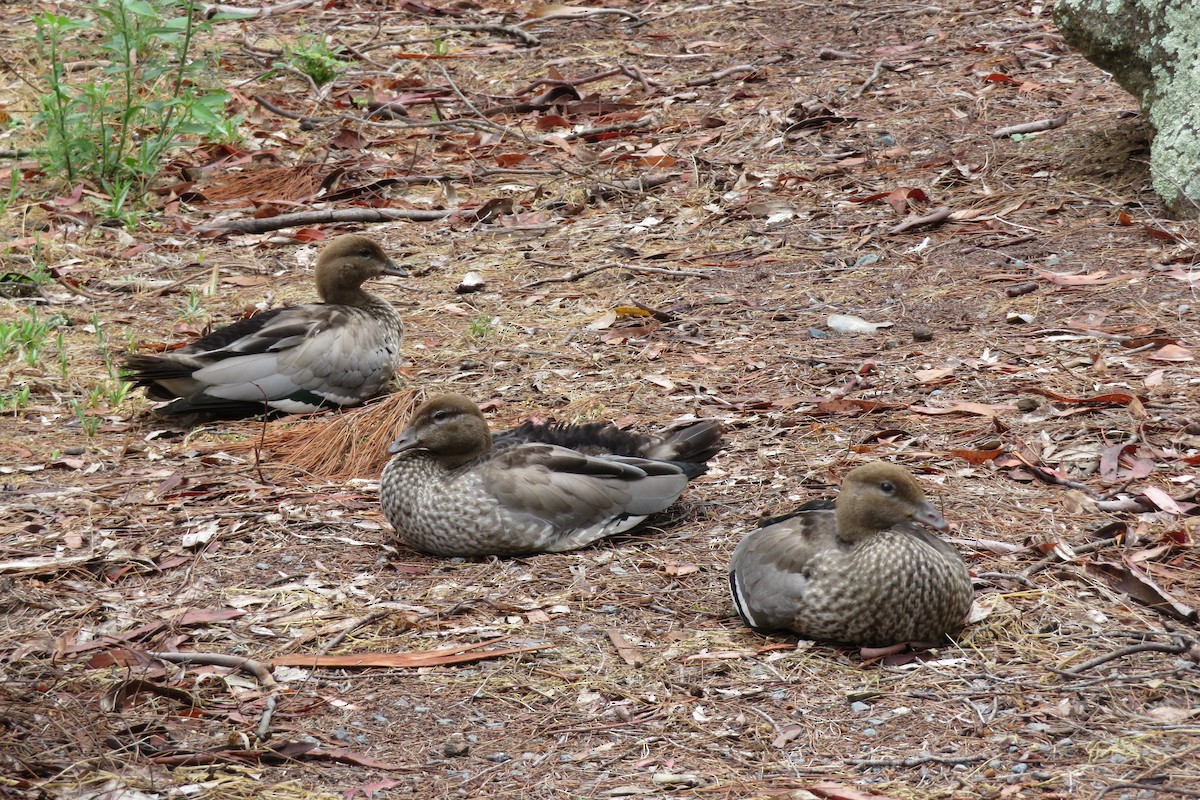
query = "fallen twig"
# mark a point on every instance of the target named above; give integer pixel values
(262, 12)
(258, 670)
(632, 125)
(713, 77)
(1032, 127)
(939, 214)
(525, 37)
(324, 216)
(580, 13)
(916, 761)
(1180, 646)
(1054, 558)
(880, 66)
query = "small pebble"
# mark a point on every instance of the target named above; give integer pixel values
(1019, 767)
(499, 758)
(817, 333)
(869, 732)
(262, 565)
(1027, 404)
(922, 333)
(456, 746)
(859, 708)
(891, 344)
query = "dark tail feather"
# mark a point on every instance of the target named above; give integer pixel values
(695, 443)
(688, 446)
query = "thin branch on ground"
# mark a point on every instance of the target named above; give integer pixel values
(1180, 646)
(1054, 558)
(256, 669)
(262, 12)
(1032, 127)
(323, 217)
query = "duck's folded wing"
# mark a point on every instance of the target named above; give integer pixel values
(772, 566)
(576, 495)
(304, 358)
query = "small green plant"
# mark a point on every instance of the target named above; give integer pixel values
(441, 47)
(112, 126)
(313, 57)
(90, 424)
(14, 400)
(115, 389)
(27, 336)
(14, 190)
(192, 309)
(480, 327)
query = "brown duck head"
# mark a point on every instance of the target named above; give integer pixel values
(451, 427)
(345, 263)
(878, 496)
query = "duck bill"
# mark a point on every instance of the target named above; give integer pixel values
(926, 514)
(407, 441)
(392, 268)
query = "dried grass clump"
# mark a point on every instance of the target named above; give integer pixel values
(345, 445)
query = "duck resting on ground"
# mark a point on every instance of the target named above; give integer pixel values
(861, 572)
(296, 359)
(541, 488)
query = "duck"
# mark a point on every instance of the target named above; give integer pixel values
(338, 352)
(452, 489)
(864, 570)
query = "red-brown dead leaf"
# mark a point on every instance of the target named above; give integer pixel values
(976, 457)
(548, 122)
(670, 568)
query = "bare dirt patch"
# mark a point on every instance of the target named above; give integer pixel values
(780, 145)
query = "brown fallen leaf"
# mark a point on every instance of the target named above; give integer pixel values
(1132, 580)
(1163, 500)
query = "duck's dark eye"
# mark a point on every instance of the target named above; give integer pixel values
(887, 487)
(365, 252)
(441, 415)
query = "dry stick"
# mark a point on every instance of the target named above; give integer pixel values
(620, 69)
(329, 215)
(637, 124)
(642, 184)
(1178, 647)
(256, 669)
(583, 273)
(211, 11)
(749, 69)
(940, 214)
(581, 13)
(1053, 558)
(1032, 127)
(525, 37)
(917, 761)
(358, 622)
(880, 66)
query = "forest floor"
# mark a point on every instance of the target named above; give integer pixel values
(664, 235)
